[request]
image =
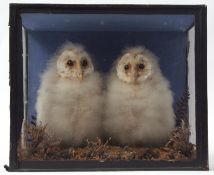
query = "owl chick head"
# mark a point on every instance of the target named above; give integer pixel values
(73, 62)
(136, 65)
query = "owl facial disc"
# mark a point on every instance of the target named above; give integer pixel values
(74, 63)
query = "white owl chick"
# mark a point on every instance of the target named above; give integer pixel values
(138, 100)
(69, 98)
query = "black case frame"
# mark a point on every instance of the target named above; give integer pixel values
(16, 86)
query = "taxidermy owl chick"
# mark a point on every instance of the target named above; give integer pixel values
(138, 100)
(69, 98)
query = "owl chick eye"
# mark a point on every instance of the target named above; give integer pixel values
(126, 67)
(141, 66)
(70, 63)
(84, 63)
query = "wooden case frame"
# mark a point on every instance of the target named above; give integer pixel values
(16, 93)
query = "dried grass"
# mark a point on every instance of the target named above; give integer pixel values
(41, 146)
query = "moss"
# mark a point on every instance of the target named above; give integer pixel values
(41, 146)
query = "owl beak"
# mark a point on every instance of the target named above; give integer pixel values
(80, 76)
(134, 76)
(79, 72)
